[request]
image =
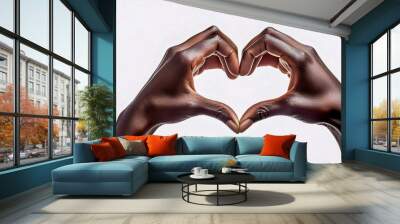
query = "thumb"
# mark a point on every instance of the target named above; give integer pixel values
(218, 110)
(263, 110)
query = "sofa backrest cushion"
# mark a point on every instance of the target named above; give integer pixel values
(192, 145)
(249, 145)
(83, 153)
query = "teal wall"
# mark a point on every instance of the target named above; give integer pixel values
(103, 51)
(103, 63)
(24, 178)
(355, 60)
(99, 16)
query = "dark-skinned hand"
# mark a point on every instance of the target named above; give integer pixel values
(313, 95)
(169, 96)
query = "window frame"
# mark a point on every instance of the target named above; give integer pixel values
(388, 74)
(16, 115)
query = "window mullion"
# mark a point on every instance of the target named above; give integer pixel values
(16, 85)
(73, 82)
(19, 43)
(50, 81)
(389, 106)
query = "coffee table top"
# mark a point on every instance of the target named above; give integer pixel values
(220, 178)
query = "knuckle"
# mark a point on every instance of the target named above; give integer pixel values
(302, 57)
(267, 37)
(268, 30)
(251, 53)
(262, 112)
(172, 50)
(310, 50)
(214, 29)
(181, 57)
(222, 113)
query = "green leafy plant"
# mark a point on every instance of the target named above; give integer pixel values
(96, 102)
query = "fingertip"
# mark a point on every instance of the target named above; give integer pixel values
(232, 76)
(233, 126)
(245, 125)
(243, 71)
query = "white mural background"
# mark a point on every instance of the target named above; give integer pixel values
(145, 29)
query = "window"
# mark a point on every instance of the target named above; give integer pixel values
(37, 90)
(62, 137)
(7, 14)
(81, 45)
(385, 94)
(38, 74)
(30, 72)
(81, 81)
(61, 74)
(6, 73)
(30, 87)
(62, 31)
(33, 147)
(6, 142)
(34, 21)
(3, 61)
(44, 91)
(3, 78)
(44, 125)
(3, 72)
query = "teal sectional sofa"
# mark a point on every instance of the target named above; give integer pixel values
(125, 176)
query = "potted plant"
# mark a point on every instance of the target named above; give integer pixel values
(97, 103)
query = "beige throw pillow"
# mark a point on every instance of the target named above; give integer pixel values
(136, 147)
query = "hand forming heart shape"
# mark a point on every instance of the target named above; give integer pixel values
(313, 96)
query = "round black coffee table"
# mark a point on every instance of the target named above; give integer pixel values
(238, 179)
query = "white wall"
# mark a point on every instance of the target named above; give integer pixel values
(145, 29)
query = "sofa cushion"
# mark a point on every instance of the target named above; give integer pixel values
(132, 158)
(103, 152)
(249, 145)
(277, 145)
(116, 145)
(196, 145)
(185, 163)
(257, 163)
(161, 145)
(112, 171)
(83, 153)
(134, 147)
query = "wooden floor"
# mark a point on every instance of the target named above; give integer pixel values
(379, 189)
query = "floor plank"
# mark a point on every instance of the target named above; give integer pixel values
(353, 182)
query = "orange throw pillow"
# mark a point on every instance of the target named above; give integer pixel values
(161, 145)
(277, 145)
(116, 145)
(103, 152)
(135, 137)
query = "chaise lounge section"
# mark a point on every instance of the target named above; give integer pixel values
(125, 176)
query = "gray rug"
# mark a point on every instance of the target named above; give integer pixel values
(166, 198)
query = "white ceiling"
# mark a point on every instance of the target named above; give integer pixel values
(320, 9)
(326, 16)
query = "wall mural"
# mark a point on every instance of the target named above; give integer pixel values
(175, 75)
(170, 96)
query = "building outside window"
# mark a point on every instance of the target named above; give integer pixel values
(30, 72)
(30, 87)
(58, 126)
(37, 74)
(385, 98)
(3, 61)
(3, 72)
(43, 90)
(44, 77)
(38, 89)
(3, 77)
